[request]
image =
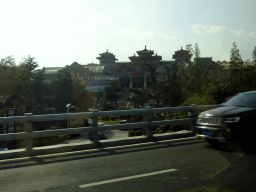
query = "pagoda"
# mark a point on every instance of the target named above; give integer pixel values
(107, 58)
(182, 56)
(108, 61)
(145, 56)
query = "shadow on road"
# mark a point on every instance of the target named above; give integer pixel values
(246, 147)
(39, 160)
(240, 176)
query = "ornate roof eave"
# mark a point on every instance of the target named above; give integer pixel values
(102, 58)
(145, 51)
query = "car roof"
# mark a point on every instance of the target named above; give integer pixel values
(247, 92)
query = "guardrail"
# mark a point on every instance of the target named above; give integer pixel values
(147, 125)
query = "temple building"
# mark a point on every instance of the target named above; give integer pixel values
(107, 58)
(145, 56)
(182, 56)
(130, 74)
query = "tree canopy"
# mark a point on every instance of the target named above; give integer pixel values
(112, 92)
(62, 91)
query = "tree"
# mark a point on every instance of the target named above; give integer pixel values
(241, 78)
(191, 77)
(168, 87)
(30, 63)
(163, 87)
(189, 48)
(38, 87)
(154, 83)
(10, 86)
(197, 52)
(61, 89)
(82, 98)
(235, 64)
(8, 76)
(254, 56)
(111, 92)
(139, 97)
(8, 61)
(27, 73)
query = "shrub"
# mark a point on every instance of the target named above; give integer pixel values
(137, 132)
(113, 118)
(199, 100)
(178, 127)
(158, 130)
(135, 118)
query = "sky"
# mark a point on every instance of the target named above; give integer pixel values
(59, 32)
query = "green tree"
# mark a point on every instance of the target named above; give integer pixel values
(154, 83)
(197, 52)
(38, 89)
(139, 97)
(254, 56)
(8, 76)
(10, 85)
(168, 87)
(112, 92)
(8, 61)
(20, 83)
(235, 66)
(61, 89)
(241, 78)
(190, 52)
(82, 98)
(191, 77)
(27, 73)
(163, 87)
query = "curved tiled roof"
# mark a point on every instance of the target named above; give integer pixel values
(145, 51)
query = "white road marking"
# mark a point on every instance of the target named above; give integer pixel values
(126, 178)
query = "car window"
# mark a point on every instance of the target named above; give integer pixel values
(242, 100)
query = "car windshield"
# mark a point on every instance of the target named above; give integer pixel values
(243, 100)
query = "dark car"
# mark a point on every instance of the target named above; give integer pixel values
(233, 121)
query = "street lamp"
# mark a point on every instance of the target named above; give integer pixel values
(68, 107)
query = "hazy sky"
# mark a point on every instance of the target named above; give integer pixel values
(60, 32)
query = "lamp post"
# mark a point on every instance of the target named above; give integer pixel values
(68, 107)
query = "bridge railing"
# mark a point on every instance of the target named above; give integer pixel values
(146, 125)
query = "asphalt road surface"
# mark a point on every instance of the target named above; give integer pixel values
(181, 165)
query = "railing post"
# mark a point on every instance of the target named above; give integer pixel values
(94, 136)
(28, 128)
(192, 114)
(148, 118)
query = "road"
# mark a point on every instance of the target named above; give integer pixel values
(180, 165)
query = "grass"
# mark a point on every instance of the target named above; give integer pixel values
(111, 122)
(78, 122)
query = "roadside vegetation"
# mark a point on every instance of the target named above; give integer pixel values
(22, 86)
(190, 83)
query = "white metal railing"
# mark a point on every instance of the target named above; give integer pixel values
(147, 123)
